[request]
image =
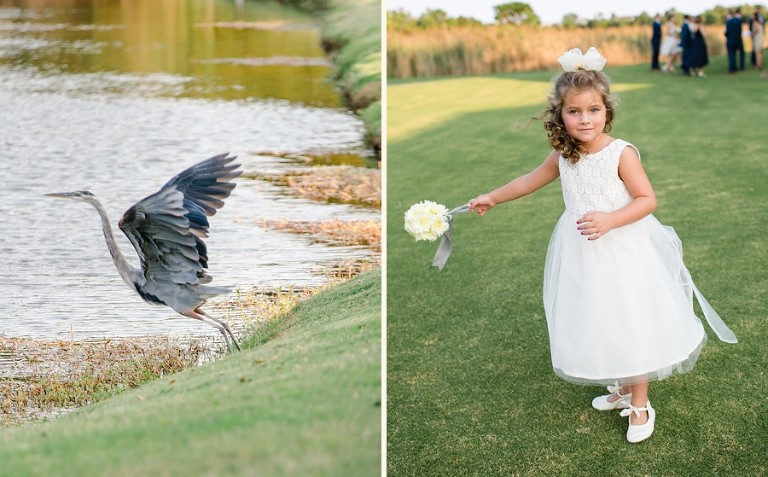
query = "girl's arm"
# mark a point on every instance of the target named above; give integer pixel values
(523, 185)
(596, 224)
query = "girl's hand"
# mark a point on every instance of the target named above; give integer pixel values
(481, 204)
(595, 224)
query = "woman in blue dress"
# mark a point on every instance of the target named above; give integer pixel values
(700, 56)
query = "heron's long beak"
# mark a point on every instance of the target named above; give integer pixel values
(62, 195)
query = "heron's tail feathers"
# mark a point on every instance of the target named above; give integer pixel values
(207, 292)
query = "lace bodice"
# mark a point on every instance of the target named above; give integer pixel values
(593, 183)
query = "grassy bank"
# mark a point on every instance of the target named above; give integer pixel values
(303, 399)
(472, 50)
(470, 385)
(352, 32)
(352, 36)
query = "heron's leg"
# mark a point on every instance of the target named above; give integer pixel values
(216, 324)
(222, 323)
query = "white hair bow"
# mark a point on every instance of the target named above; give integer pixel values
(573, 60)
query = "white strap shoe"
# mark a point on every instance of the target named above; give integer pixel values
(601, 403)
(640, 432)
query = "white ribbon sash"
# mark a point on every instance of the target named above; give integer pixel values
(445, 247)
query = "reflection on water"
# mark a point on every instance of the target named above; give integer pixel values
(117, 98)
(215, 48)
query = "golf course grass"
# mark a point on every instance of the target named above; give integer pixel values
(302, 399)
(470, 389)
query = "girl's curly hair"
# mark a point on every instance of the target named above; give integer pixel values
(569, 81)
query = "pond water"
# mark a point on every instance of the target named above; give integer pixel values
(117, 97)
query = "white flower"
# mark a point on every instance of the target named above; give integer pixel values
(427, 220)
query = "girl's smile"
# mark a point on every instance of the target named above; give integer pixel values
(584, 116)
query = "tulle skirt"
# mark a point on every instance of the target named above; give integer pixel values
(620, 308)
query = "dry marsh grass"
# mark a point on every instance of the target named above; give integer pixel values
(324, 158)
(338, 232)
(44, 379)
(266, 303)
(474, 50)
(334, 232)
(340, 184)
(348, 269)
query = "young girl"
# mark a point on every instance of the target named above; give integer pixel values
(617, 296)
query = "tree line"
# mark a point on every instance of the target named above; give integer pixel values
(520, 13)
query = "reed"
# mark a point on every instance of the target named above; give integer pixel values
(475, 50)
(348, 269)
(46, 379)
(259, 306)
(334, 184)
(334, 232)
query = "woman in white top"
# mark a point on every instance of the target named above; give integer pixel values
(758, 35)
(670, 45)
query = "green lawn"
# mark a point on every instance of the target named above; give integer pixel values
(470, 388)
(304, 399)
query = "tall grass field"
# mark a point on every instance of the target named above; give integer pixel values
(470, 388)
(447, 51)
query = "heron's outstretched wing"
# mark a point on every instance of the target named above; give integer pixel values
(167, 228)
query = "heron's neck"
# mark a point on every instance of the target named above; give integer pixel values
(127, 272)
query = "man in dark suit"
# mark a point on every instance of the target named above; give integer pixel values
(656, 42)
(733, 41)
(761, 20)
(686, 42)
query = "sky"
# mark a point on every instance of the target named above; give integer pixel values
(552, 11)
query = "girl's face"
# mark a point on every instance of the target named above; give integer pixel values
(584, 116)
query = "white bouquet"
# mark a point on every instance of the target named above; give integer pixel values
(429, 220)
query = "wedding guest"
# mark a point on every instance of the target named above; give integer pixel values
(699, 54)
(670, 45)
(758, 35)
(656, 42)
(733, 41)
(752, 19)
(686, 43)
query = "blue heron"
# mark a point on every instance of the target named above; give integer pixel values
(167, 230)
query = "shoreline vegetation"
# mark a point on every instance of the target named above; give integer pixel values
(351, 36)
(343, 184)
(303, 397)
(47, 379)
(434, 44)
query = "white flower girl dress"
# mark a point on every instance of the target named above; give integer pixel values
(619, 308)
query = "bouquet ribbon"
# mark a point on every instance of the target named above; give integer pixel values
(444, 249)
